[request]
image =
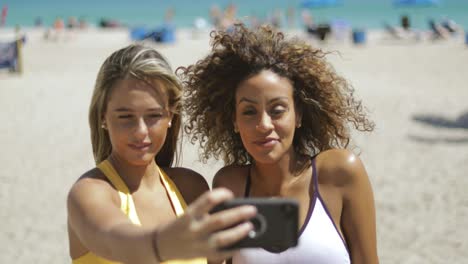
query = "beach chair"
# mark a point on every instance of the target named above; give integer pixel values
(340, 29)
(11, 56)
(162, 34)
(138, 33)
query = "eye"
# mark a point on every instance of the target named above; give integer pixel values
(155, 115)
(249, 111)
(278, 110)
(124, 116)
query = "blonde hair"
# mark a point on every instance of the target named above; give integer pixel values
(145, 64)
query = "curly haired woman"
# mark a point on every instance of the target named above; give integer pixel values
(280, 117)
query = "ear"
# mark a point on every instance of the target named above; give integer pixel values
(169, 123)
(298, 119)
(103, 123)
(234, 122)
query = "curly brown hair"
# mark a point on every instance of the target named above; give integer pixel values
(325, 99)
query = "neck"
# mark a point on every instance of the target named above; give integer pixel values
(135, 176)
(274, 179)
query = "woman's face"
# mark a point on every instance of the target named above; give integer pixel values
(137, 119)
(265, 116)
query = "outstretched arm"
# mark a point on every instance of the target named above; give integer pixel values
(96, 219)
(107, 232)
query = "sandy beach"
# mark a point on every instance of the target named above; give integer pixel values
(417, 158)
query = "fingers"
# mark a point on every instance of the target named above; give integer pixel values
(212, 232)
(206, 223)
(227, 218)
(230, 236)
(225, 238)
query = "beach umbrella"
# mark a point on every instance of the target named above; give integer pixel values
(415, 3)
(319, 3)
(4, 15)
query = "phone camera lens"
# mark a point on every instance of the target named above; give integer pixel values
(256, 223)
(259, 224)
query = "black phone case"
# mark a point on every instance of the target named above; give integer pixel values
(276, 223)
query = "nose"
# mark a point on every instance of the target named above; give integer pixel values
(265, 123)
(141, 129)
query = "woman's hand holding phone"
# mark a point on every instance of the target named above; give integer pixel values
(200, 234)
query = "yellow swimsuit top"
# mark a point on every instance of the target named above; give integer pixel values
(128, 207)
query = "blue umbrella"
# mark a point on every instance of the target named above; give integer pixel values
(319, 3)
(415, 2)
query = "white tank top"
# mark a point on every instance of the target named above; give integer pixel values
(319, 239)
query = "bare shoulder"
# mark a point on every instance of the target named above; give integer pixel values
(340, 167)
(185, 175)
(346, 171)
(190, 183)
(92, 183)
(91, 192)
(232, 177)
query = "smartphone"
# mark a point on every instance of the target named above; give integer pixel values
(275, 225)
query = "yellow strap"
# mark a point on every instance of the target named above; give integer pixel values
(91, 258)
(179, 205)
(126, 205)
(176, 198)
(107, 168)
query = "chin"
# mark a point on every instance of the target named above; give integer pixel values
(141, 160)
(266, 158)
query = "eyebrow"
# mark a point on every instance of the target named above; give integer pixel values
(243, 99)
(125, 109)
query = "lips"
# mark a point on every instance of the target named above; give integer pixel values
(267, 142)
(140, 146)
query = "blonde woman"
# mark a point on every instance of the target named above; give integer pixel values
(131, 208)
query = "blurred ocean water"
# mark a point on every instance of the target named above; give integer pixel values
(369, 14)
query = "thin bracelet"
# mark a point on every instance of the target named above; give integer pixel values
(155, 247)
